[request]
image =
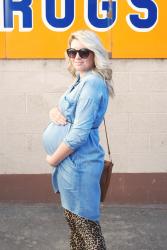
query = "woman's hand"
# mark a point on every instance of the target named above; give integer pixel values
(50, 160)
(56, 116)
(59, 155)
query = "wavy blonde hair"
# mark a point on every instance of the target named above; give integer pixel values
(101, 60)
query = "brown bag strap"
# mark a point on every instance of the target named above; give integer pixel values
(108, 146)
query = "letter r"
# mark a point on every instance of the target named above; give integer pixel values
(21, 8)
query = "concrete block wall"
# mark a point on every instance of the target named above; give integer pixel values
(138, 140)
(136, 117)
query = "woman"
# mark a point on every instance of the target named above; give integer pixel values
(78, 160)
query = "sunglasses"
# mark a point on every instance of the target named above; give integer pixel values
(83, 53)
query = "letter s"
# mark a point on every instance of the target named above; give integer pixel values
(150, 9)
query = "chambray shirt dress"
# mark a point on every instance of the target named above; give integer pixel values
(77, 177)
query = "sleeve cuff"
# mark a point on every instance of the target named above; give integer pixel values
(68, 144)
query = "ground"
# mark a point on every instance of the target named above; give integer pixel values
(43, 227)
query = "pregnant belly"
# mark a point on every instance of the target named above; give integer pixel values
(53, 135)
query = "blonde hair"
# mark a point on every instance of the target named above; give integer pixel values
(102, 64)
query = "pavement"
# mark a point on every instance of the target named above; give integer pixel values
(43, 227)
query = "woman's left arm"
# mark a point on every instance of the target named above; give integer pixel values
(85, 114)
(60, 154)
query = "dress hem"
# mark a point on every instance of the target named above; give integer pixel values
(86, 218)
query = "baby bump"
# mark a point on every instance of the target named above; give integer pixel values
(53, 135)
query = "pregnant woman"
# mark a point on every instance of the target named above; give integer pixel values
(72, 139)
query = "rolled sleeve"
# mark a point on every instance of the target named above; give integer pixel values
(85, 115)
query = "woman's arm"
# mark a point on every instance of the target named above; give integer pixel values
(85, 114)
(63, 150)
(60, 154)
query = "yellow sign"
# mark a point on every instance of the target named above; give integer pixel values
(40, 28)
(2, 45)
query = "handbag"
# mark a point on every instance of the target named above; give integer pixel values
(107, 171)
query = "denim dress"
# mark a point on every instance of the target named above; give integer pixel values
(77, 177)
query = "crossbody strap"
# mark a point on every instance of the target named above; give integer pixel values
(108, 145)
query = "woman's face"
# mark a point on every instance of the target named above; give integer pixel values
(81, 65)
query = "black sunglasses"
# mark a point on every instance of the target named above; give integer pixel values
(83, 53)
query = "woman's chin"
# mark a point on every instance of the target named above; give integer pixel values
(79, 67)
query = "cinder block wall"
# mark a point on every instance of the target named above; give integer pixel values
(29, 88)
(136, 117)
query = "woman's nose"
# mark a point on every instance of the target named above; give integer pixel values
(77, 56)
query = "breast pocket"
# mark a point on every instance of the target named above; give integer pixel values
(69, 107)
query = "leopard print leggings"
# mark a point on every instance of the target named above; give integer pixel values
(85, 234)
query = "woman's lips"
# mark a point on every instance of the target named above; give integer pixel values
(78, 63)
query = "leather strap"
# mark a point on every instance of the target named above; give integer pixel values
(108, 146)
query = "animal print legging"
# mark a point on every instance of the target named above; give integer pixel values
(85, 234)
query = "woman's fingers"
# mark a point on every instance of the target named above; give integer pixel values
(56, 116)
(60, 119)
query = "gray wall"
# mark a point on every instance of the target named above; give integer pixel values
(136, 117)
